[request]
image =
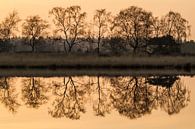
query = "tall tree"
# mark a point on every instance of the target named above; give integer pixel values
(175, 25)
(33, 28)
(102, 18)
(9, 25)
(135, 25)
(71, 22)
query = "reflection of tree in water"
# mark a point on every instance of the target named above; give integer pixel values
(171, 93)
(101, 104)
(131, 96)
(8, 97)
(136, 96)
(164, 81)
(70, 98)
(33, 92)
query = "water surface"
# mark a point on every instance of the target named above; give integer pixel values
(97, 102)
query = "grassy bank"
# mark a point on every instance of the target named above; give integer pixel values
(46, 60)
(45, 64)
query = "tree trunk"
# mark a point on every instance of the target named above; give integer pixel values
(65, 47)
(33, 44)
(99, 39)
(70, 48)
(99, 46)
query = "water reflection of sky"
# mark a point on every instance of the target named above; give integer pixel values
(40, 115)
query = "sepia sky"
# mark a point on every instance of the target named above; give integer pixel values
(158, 7)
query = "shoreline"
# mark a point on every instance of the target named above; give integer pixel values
(59, 64)
(92, 72)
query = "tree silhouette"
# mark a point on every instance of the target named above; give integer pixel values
(69, 99)
(33, 92)
(175, 25)
(132, 97)
(102, 20)
(174, 98)
(157, 26)
(131, 29)
(135, 25)
(116, 44)
(71, 22)
(171, 93)
(101, 102)
(165, 45)
(8, 95)
(33, 28)
(9, 25)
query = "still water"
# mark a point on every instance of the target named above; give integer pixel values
(137, 102)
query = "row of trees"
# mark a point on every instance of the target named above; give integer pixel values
(133, 26)
(132, 97)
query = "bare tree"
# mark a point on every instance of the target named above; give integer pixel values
(34, 92)
(135, 25)
(157, 26)
(101, 102)
(131, 97)
(71, 22)
(9, 25)
(171, 94)
(33, 28)
(174, 99)
(175, 25)
(102, 18)
(8, 94)
(69, 98)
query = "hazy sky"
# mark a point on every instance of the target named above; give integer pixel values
(158, 7)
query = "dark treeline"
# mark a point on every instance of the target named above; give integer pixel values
(133, 30)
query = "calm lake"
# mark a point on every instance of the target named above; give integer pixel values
(97, 102)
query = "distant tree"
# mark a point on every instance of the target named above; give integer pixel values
(164, 45)
(71, 22)
(102, 19)
(9, 25)
(5, 45)
(33, 28)
(135, 25)
(175, 25)
(116, 45)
